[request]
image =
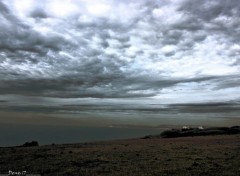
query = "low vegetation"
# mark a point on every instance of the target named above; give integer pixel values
(184, 132)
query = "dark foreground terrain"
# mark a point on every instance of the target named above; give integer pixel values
(217, 155)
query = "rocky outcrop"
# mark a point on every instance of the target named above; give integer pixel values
(30, 144)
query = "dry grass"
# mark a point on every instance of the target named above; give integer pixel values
(209, 155)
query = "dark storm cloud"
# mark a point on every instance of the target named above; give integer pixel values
(223, 108)
(87, 49)
(3, 101)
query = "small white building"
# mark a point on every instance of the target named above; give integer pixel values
(185, 128)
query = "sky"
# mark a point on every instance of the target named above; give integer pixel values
(120, 57)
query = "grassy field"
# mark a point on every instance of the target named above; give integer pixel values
(208, 155)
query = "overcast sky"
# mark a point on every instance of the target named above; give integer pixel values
(137, 51)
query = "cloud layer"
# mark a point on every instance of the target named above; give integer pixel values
(170, 49)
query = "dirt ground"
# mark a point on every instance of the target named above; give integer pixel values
(187, 156)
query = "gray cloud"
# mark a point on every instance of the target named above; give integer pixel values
(38, 13)
(105, 53)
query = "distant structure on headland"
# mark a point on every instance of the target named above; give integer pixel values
(186, 128)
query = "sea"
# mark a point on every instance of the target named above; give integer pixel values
(14, 135)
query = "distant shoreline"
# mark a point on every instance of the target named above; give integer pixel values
(197, 131)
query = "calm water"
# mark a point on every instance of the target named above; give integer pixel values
(18, 134)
